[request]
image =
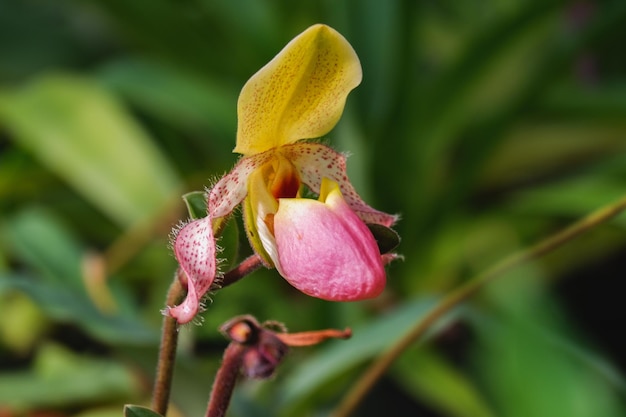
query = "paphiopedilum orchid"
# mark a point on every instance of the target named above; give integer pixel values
(322, 247)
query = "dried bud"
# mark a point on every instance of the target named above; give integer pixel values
(265, 348)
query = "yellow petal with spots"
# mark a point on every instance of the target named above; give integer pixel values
(300, 94)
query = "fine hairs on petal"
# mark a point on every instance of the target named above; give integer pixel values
(215, 286)
(202, 306)
(219, 277)
(174, 234)
(171, 238)
(212, 182)
(198, 319)
(194, 249)
(219, 262)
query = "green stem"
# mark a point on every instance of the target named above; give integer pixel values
(360, 389)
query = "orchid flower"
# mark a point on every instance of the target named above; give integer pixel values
(323, 247)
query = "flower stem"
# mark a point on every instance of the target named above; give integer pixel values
(225, 380)
(167, 351)
(246, 267)
(169, 332)
(360, 389)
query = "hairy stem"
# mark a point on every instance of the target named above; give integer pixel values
(169, 332)
(225, 380)
(167, 351)
(378, 368)
(246, 267)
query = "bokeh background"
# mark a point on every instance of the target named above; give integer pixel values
(487, 125)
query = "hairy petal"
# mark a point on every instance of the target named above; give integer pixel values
(325, 250)
(232, 188)
(299, 94)
(315, 161)
(195, 251)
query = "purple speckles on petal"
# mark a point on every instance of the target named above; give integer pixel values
(194, 248)
(232, 188)
(315, 162)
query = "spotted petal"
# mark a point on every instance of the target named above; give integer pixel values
(194, 248)
(300, 94)
(232, 188)
(315, 162)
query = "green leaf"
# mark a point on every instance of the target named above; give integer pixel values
(81, 133)
(366, 342)
(607, 100)
(526, 358)
(41, 242)
(66, 305)
(572, 197)
(229, 243)
(60, 378)
(536, 151)
(139, 411)
(433, 380)
(173, 95)
(196, 202)
(383, 63)
(386, 238)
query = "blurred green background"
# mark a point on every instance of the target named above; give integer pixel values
(486, 124)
